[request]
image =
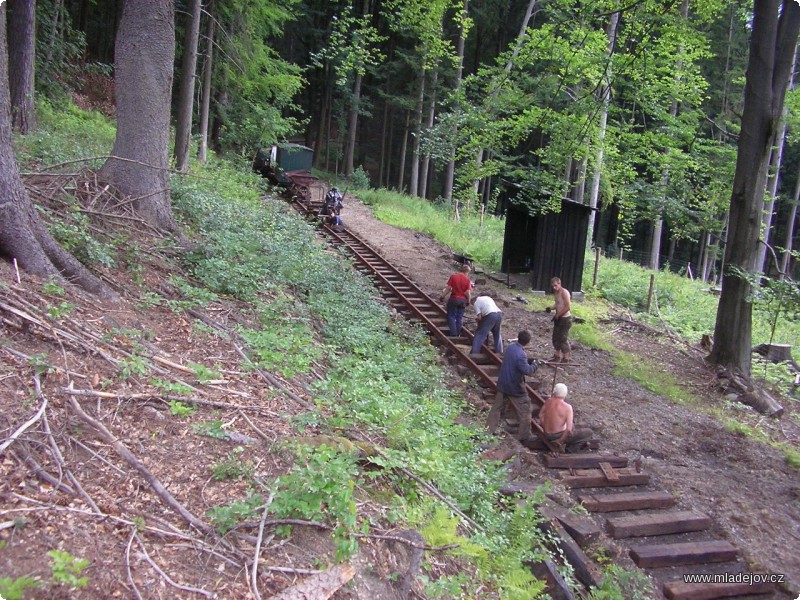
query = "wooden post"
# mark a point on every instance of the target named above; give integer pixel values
(650, 291)
(596, 265)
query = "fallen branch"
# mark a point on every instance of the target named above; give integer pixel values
(165, 398)
(128, 456)
(263, 435)
(25, 426)
(39, 471)
(166, 577)
(29, 360)
(268, 377)
(435, 492)
(318, 525)
(254, 572)
(128, 564)
(63, 466)
(196, 543)
(96, 455)
(293, 570)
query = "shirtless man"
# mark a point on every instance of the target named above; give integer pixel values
(562, 321)
(556, 416)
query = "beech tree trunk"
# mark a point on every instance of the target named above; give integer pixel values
(403, 152)
(21, 63)
(772, 43)
(776, 162)
(449, 176)
(144, 54)
(352, 127)
(605, 97)
(205, 105)
(413, 184)
(789, 238)
(426, 160)
(23, 236)
(183, 125)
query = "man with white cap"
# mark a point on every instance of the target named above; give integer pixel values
(556, 419)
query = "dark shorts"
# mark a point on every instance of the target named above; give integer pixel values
(560, 334)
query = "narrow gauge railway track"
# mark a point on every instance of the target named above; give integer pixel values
(407, 298)
(664, 540)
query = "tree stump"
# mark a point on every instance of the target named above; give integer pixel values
(775, 352)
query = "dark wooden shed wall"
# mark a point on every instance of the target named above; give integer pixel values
(547, 246)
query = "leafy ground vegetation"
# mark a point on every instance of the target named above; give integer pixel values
(250, 414)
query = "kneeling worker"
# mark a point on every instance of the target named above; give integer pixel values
(556, 418)
(511, 386)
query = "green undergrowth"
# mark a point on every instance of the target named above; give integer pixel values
(65, 134)
(382, 384)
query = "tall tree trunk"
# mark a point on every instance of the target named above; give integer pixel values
(403, 152)
(21, 63)
(776, 161)
(790, 222)
(413, 184)
(55, 31)
(23, 236)
(139, 165)
(658, 223)
(772, 43)
(426, 161)
(449, 176)
(384, 138)
(507, 69)
(352, 126)
(605, 98)
(726, 78)
(205, 104)
(183, 125)
(322, 118)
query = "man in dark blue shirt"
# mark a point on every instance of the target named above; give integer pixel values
(511, 386)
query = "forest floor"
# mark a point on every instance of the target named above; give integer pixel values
(105, 468)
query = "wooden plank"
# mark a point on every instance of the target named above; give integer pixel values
(608, 471)
(663, 523)
(685, 553)
(537, 445)
(557, 588)
(518, 487)
(595, 478)
(590, 460)
(626, 501)
(583, 529)
(585, 570)
(678, 590)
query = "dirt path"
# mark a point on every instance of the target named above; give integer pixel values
(746, 487)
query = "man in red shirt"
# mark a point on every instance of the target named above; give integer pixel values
(457, 291)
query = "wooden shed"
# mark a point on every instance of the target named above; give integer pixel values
(547, 245)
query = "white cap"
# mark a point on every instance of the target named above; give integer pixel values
(560, 390)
